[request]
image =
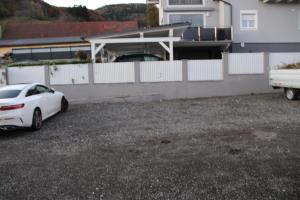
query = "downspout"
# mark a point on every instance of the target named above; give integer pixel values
(231, 19)
(231, 10)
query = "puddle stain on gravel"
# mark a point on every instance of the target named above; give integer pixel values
(165, 142)
(264, 135)
(234, 150)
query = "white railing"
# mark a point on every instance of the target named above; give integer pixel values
(161, 71)
(205, 70)
(114, 73)
(34, 74)
(69, 74)
(246, 63)
(279, 59)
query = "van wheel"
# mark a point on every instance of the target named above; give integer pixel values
(64, 105)
(37, 120)
(290, 93)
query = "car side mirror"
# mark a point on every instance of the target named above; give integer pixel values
(52, 91)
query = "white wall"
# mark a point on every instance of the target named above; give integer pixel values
(2, 77)
(69, 74)
(279, 59)
(158, 71)
(246, 63)
(161, 71)
(114, 73)
(34, 74)
(205, 70)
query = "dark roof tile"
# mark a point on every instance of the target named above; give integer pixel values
(65, 29)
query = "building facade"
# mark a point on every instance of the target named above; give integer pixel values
(256, 25)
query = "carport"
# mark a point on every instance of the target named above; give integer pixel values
(149, 40)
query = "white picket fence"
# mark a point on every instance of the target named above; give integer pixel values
(149, 72)
(205, 70)
(161, 71)
(69, 74)
(246, 63)
(17, 75)
(114, 73)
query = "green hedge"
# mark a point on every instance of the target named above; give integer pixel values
(48, 62)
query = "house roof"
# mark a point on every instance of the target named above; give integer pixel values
(17, 31)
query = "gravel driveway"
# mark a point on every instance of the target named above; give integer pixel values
(244, 147)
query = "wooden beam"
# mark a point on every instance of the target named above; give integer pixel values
(165, 46)
(93, 50)
(99, 48)
(171, 51)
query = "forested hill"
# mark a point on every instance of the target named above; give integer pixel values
(123, 11)
(38, 10)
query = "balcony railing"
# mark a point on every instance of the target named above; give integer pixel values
(281, 1)
(207, 34)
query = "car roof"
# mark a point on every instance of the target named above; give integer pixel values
(17, 86)
(136, 55)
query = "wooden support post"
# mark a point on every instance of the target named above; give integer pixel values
(93, 52)
(171, 51)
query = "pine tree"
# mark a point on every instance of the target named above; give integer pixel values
(152, 15)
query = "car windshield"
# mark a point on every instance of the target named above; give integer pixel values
(9, 94)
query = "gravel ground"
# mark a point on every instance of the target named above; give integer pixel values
(244, 147)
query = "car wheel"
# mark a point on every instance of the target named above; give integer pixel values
(64, 105)
(37, 120)
(290, 93)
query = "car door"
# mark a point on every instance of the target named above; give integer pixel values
(48, 99)
(37, 99)
(56, 96)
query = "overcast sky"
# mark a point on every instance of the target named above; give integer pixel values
(92, 4)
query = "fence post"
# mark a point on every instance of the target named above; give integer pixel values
(6, 76)
(91, 73)
(225, 63)
(266, 62)
(185, 75)
(137, 72)
(47, 75)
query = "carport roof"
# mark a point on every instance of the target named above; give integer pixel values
(160, 31)
(163, 34)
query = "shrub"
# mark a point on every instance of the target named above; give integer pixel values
(291, 66)
(82, 55)
(49, 62)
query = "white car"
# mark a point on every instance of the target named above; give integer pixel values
(27, 105)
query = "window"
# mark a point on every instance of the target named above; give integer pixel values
(195, 19)
(185, 2)
(32, 91)
(42, 89)
(248, 20)
(151, 58)
(9, 94)
(37, 90)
